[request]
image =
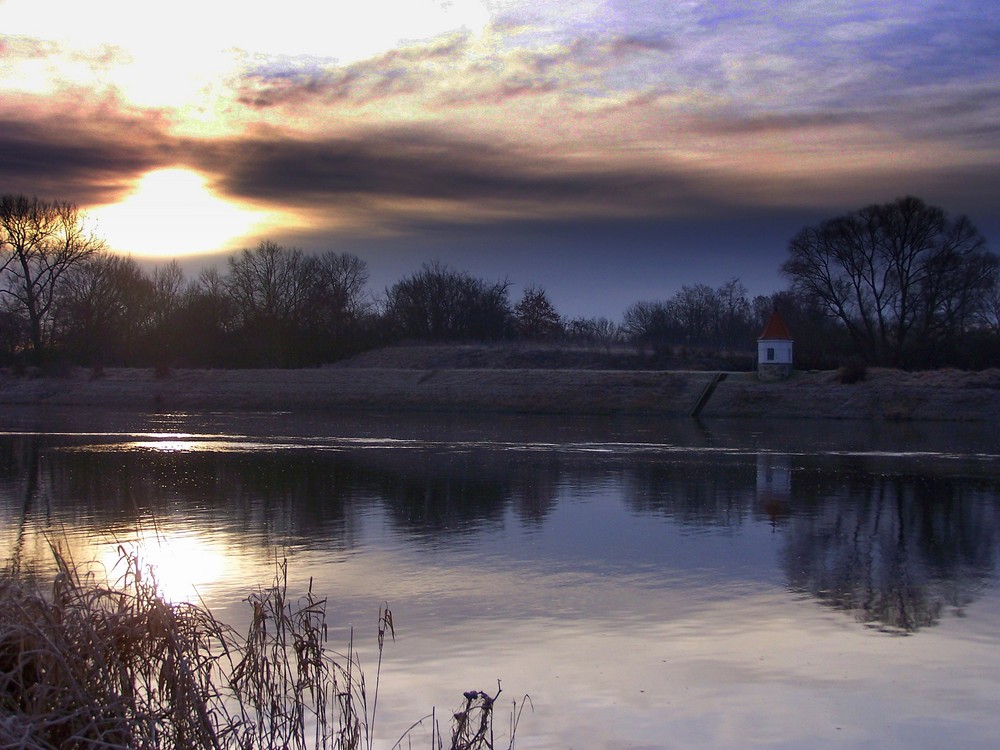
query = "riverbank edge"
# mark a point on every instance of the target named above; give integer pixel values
(943, 395)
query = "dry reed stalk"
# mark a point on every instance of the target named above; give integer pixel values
(471, 725)
(96, 667)
(105, 667)
(290, 692)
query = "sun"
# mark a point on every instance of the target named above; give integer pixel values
(172, 213)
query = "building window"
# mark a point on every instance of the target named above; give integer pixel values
(770, 354)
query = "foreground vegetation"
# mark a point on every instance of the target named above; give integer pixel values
(117, 666)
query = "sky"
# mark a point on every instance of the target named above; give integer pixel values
(607, 151)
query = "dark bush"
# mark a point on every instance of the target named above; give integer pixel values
(854, 370)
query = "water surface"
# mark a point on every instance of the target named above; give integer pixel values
(651, 584)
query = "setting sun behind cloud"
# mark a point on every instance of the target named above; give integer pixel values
(172, 213)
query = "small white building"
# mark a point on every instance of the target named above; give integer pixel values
(774, 350)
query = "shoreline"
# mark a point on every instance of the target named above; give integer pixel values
(942, 395)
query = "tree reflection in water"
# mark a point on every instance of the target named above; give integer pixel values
(896, 541)
(893, 549)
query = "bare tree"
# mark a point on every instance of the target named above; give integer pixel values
(606, 332)
(341, 281)
(269, 283)
(990, 315)
(438, 303)
(40, 241)
(898, 276)
(203, 328)
(271, 287)
(13, 334)
(648, 324)
(599, 332)
(734, 322)
(209, 298)
(168, 292)
(104, 309)
(695, 316)
(694, 311)
(338, 308)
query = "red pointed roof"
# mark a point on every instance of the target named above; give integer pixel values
(775, 330)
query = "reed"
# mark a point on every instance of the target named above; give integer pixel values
(93, 665)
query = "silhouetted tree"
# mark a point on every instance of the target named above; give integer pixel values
(990, 313)
(338, 306)
(693, 311)
(104, 310)
(761, 308)
(535, 316)
(343, 278)
(271, 287)
(162, 343)
(441, 304)
(734, 321)
(648, 324)
(13, 334)
(205, 327)
(900, 277)
(40, 241)
(594, 332)
(168, 292)
(273, 306)
(697, 316)
(605, 331)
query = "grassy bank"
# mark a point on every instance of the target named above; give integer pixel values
(375, 383)
(96, 665)
(466, 390)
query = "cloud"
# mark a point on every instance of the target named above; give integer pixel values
(25, 48)
(459, 69)
(398, 72)
(399, 178)
(553, 110)
(87, 154)
(428, 166)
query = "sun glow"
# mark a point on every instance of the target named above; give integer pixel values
(184, 54)
(183, 564)
(171, 213)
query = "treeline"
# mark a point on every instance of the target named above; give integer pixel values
(900, 284)
(700, 322)
(271, 306)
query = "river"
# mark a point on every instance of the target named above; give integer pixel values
(649, 583)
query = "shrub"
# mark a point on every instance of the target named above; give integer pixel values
(854, 370)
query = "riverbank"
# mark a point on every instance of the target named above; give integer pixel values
(884, 394)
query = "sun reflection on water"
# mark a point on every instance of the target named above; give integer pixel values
(183, 563)
(173, 445)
